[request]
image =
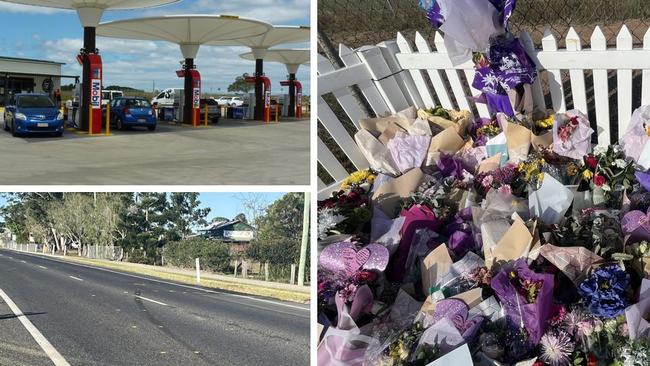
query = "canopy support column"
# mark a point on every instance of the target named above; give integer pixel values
(188, 101)
(292, 95)
(90, 47)
(259, 89)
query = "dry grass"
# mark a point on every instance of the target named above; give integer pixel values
(191, 280)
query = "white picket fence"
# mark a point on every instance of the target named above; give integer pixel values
(390, 77)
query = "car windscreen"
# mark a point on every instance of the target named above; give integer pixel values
(138, 103)
(34, 101)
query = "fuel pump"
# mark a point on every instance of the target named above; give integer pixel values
(192, 100)
(91, 90)
(295, 96)
(267, 95)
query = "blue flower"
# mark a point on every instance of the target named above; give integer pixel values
(603, 291)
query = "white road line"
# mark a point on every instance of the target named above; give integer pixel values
(47, 347)
(42, 267)
(172, 283)
(153, 301)
(75, 278)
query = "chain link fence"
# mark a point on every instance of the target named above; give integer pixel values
(356, 23)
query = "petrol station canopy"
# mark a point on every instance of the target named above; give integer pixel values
(188, 31)
(279, 34)
(290, 57)
(90, 11)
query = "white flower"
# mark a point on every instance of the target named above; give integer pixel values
(600, 150)
(620, 163)
(606, 187)
(327, 218)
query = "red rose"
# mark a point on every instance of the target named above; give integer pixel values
(599, 180)
(592, 360)
(574, 121)
(591, 161)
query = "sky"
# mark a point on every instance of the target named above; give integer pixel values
(226, 204)
(57, 35)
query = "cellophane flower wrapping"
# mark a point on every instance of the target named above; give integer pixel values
(533, 315)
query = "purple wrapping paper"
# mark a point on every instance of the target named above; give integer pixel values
(417, 217)
(636, 224)
(644, 179)
(534, 315)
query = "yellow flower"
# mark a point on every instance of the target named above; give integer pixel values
(356, 178)
(572, 169)
(587, 174)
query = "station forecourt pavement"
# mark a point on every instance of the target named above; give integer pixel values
(232, 152)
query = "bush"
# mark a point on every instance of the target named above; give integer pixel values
(214, 255)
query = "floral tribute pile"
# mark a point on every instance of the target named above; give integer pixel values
(501, 241)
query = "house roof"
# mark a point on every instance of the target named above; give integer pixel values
(238, 224)
(20, 59)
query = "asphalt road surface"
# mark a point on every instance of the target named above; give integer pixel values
(80, 315)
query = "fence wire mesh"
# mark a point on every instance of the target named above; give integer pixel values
(356, 23)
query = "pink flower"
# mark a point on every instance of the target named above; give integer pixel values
(348, 292)
(487, 181)
(505, 190)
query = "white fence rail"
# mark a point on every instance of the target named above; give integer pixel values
(391, 77)
(93, 251)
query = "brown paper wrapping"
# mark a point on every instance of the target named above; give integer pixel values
(389, 195)
(436, 264)
(490, 164)
(377, 126)
(472, 298)
(514, 244)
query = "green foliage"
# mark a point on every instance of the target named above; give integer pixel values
(214, 255)
(279, 232)
(240, 85)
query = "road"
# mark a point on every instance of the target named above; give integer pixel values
(93, 316)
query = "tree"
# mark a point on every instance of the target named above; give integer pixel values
(241, 217)
(183, 213)
(279, 232)
(240, 85)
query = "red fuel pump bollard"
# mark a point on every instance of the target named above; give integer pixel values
(95, 94)
(267, 95)
(195, 76)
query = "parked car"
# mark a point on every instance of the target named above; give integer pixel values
(35, 113)
(214, 111)
(131, 112)
(231, 101)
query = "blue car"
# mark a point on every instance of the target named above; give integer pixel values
(131, 112)
(31, 113)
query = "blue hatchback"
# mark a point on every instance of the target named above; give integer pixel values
(131, 112)
(31, 113)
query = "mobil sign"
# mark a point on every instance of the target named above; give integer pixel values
(96, 93)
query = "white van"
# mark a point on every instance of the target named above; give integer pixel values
(166, 97)
(108, 95)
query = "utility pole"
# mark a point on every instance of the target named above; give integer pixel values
(305, 240)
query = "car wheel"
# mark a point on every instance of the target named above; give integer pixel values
(151, 128)
(58, 134)
(120, 125)
(234, 105)
(215, 120)
(6, 125)
(14, 133)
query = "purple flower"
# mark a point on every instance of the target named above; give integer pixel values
(450, 166)
(603, 291)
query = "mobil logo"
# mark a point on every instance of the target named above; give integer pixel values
(96, 93)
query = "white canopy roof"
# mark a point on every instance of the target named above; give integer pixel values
(292, 58)
(90, 11)
(278, 35)
(188, 31)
